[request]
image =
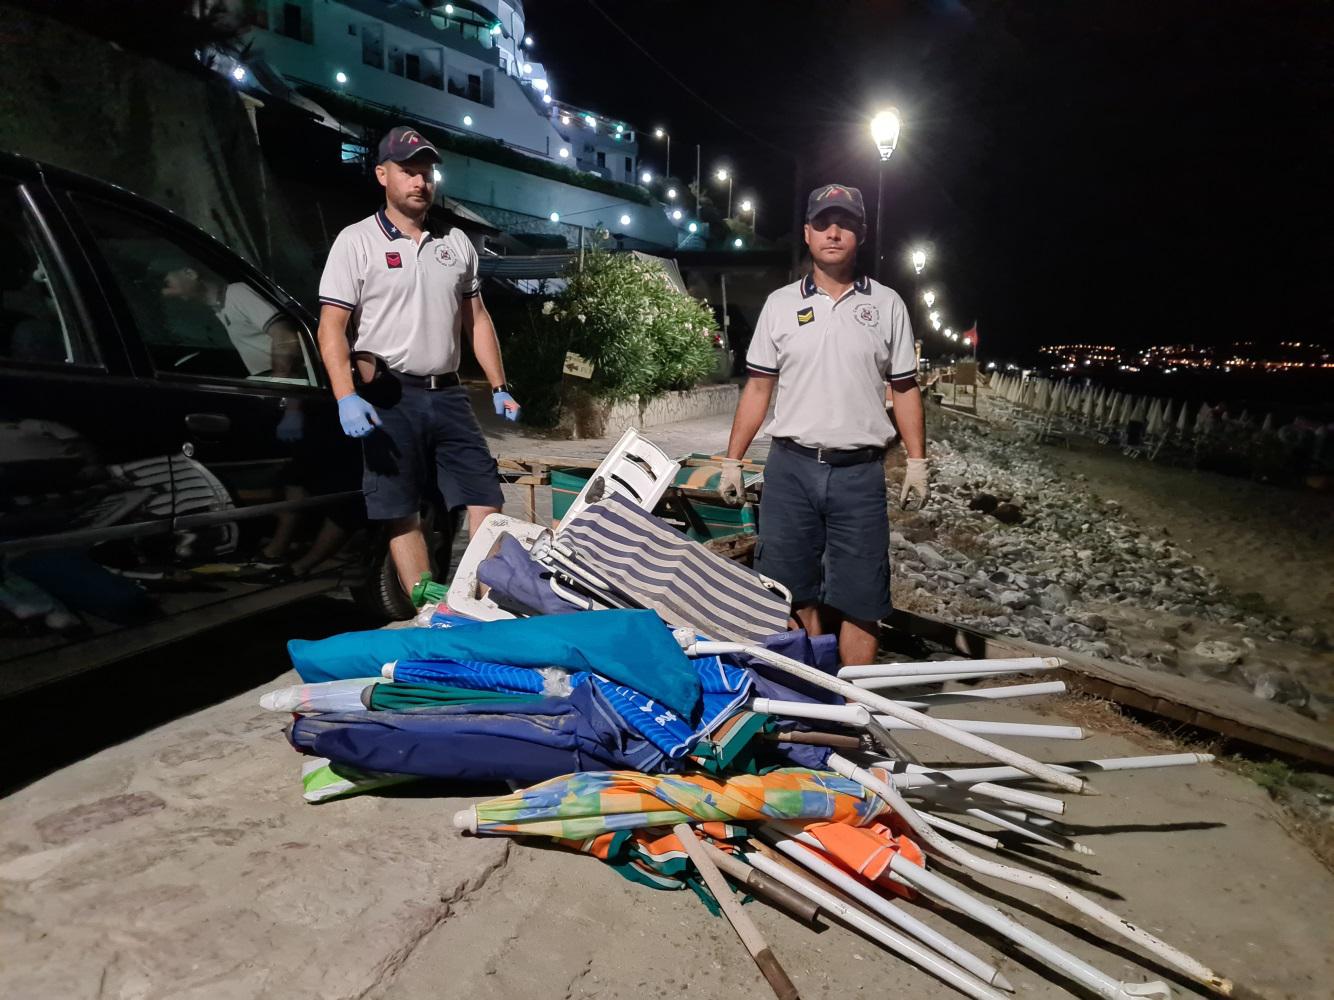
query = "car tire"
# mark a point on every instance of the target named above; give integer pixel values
(381, 594)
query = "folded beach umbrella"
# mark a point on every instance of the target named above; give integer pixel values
(1204, 420)
(1268, 426)
(633, 648)
(492, 742)
(584, 805)
(1183, 420)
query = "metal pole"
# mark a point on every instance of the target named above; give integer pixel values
(879, 219)
(729, 196)
(697, 190)
(667, 170)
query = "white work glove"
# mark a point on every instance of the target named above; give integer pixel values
(914, 485)
(730, 486)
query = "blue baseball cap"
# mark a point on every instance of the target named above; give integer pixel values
(402, 143)
(835, 196)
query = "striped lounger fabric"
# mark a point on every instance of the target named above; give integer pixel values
(662, 569)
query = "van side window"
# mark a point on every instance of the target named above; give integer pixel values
(37, 323)
(196, 313)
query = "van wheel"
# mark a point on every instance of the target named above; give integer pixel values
(381, 594)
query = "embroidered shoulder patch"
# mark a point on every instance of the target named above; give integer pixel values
(805, 316)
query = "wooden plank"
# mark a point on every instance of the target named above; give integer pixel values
(1211, 705)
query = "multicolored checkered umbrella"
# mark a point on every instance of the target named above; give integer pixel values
(579, 806)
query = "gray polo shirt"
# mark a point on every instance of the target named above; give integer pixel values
(833, 358)
(406, 298)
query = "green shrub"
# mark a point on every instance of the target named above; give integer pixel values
(619, 312)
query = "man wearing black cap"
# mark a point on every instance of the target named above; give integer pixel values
(408, 296)
(829, 343)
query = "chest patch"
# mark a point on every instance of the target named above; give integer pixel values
(392, 259)
(805, 316)
(446, 255)
(866, 315)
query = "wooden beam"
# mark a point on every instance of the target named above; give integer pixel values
(1215, 706)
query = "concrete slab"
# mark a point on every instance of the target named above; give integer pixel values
(184, 864)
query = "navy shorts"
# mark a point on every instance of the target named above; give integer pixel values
(429, 446)
(824, 533)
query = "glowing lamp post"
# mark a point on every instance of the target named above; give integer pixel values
(918, 260)
(885, 132)
(929, 298)
(661, 133)
(724, 174)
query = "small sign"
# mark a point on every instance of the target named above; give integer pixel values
(577, 366)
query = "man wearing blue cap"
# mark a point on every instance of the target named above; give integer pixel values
(405, 297)
(829, 343)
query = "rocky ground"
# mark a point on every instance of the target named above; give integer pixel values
(1009, 545)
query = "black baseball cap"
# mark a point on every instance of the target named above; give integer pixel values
(835, 196)
(402, 143)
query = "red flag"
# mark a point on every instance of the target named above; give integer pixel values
(970, 336)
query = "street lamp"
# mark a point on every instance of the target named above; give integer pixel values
(885, 133)
(676, 215)
(929, 298)
(340, 77)
(934, 316)
(918, 260)
(661, 133)
(693, 227)
(724, 174)
(749, 207)
(737, 243)
(625, 220)
(554, 217)
(671, 194)
(646, 177)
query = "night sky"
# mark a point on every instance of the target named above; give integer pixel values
(1104, 170)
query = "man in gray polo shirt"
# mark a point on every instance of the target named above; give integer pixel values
(829, 343)
(407, 295)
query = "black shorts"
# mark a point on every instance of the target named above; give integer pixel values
(429, 447)
(824, 533)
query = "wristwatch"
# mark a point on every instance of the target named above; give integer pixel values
(503, 387)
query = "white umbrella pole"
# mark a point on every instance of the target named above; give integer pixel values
(961, 831)
(920, 680)
(876, 930)
(936, 887)
(876, 903)
(1025, 664)
(986, 728)
(1033, 880)
(819, 678)
(1015, 822)
(1004, 693)
(911, 775)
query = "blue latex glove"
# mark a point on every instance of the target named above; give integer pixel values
(357, 416)
(505, 406)
(292, 426)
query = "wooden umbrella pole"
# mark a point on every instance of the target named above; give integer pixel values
(748, 933)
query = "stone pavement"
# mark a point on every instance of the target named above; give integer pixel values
(184, 864)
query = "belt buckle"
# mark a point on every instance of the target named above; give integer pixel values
(819, 456)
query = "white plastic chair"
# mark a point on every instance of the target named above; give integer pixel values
(635, 468)
(463, 596)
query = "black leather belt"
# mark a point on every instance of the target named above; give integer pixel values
(833, 456)
(443, 380)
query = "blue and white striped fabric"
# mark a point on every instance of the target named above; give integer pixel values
(725, 689)
(659, 568)
(474, 674)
